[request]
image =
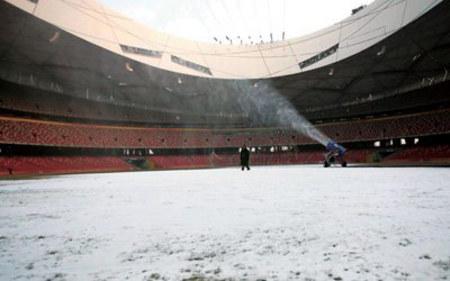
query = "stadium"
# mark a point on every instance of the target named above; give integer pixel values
(113, 95)
(87, 92)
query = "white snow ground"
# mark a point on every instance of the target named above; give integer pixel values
(272, 223)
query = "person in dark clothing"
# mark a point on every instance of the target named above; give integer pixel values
(245, 157)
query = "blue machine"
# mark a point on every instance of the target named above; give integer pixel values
(335, 154)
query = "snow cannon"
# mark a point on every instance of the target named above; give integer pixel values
(335, 154)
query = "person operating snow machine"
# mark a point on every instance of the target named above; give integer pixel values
(335, 154)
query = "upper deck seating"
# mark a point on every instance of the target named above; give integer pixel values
(37, 132)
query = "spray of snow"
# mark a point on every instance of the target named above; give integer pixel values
(270, 107)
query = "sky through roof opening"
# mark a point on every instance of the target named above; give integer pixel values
(237, 21)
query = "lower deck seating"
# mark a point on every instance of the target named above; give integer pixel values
(32, 165)
(433, 154)
(417, 155)
(57, 165)
(226, 160)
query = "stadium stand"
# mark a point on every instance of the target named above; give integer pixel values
(35, 132)
(432, 154)
(18, 165)
(82, 102)
(226, 160)
(32, 165)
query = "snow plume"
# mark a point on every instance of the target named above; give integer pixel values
(267, 106)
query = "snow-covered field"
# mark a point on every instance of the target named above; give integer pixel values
(272, 223)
